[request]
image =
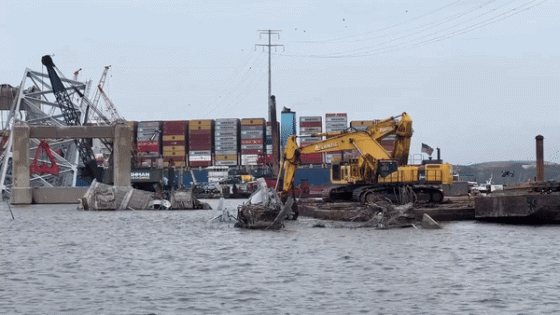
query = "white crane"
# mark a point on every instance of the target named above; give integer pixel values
(113, 113)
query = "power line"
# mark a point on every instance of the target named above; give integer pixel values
(432, 37)
(376, 31)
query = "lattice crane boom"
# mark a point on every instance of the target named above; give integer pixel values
(113, 113)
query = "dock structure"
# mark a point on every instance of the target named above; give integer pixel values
(22, 192)
(520, 208)
(537, 202)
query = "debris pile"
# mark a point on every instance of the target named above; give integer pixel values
(385, 215)
(185, 199)
(100, 196)
(264, 209)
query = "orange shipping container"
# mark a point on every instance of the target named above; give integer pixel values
(174, 148)
(220, 157)
(173, 153)
(174, 138)
(253, 121)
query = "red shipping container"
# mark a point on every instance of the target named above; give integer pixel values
(175, 123)
(200, 141)
(252, 151)
(174, 132)
(147, 147)
(170, 127)
(312, 160)
(173, 143)
(174, 158)
(200, 132)
(312, 156)
(265, 159)
(200, 137)
(200, 163)
(311, 124)
(200, 147)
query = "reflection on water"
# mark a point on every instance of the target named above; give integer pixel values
(55, 259)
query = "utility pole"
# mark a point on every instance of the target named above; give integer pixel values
(272, 102)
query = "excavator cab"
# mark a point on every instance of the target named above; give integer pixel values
(387, 167)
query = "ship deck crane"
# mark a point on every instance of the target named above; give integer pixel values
(72, 116)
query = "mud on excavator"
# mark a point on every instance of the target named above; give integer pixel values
(376, 173)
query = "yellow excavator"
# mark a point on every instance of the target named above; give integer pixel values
(376, 173)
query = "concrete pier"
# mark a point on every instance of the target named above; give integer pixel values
(21, 187)
(22, 193)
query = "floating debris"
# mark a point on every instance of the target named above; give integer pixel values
(264, 209)
(225, 216)
(101, 196)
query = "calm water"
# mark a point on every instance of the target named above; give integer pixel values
(57, 260)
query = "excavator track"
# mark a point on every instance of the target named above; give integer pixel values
(394, 193)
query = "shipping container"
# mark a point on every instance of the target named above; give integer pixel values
(178, 148)
(249, 159)
(219, 157)
(227, 121)
(225, 138)
(252, 141)
(309, 139)
(252, 147)
(311, 124)
(309, 130)
(226, 163)
(200, 152)
(173, 143)
(226, 148)
(310, 119)
(202, 132)
(336, 117)
(173, 137)
(207, 125)
(200, 163)
(253, 121)
(173, 153)
(148, 146)
(200, 158)
(314, 158)
(222, 152)
(199, 147)
(252, 151)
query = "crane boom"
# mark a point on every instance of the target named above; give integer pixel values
(72, 116)
(114, 114)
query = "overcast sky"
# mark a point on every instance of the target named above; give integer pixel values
(480, 79)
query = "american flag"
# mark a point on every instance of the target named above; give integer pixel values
(427, 149)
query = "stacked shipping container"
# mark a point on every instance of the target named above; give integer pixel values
(335, 122)
(252, 140)
(148, 142)
(200, 135)
(309, 125)
(226, 142)
(174, 144)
